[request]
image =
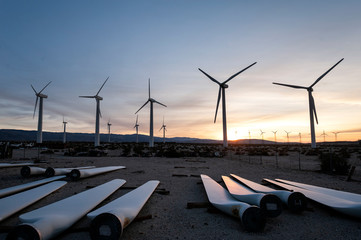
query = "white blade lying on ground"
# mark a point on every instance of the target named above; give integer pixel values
(49, 221)
(11, 190)
(335, 193)
(14, 203)
(251, 216)
(62, 171)
(270, 204)
(110, 220)
(27, 171)
(5, 165)
(342, 205)
(77, 174)
(295, 201)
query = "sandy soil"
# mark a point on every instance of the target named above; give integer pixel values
(170, 218)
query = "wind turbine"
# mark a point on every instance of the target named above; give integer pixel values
(288, 137)
(64, 136)
(151, 101)
(335, 135)
(222, 93)
(38, 95)
(262, 133)
(109, 124)
(136, 127)
(249, 137)
(164, 129)
(274, 133)
(312, 107)
(324, 136)
(97, 113)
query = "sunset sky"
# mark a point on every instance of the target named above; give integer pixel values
(78, 44)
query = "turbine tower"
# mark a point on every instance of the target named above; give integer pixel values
(109, 124)
(222, 93)
(312, 107)
(151, 101)
(136, 128)
(64, 136)
(164, 129)
(97, 113)
(38, 95)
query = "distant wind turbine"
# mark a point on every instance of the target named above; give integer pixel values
(222, 93)
(335, 135)
(97, 113)
(64, 136)
(164, 130)
(324, 136)
(38, 95)
(312, 107)
(151, 101)
(136, 128)
(262, 133)
(275, 133)
(109, 124)
(249, 137)
(288, 137)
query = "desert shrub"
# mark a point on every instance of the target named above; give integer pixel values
(337, 162)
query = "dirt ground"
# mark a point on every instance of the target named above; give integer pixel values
(166, 215)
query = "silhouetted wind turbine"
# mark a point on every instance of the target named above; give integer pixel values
(324, 136)
(151, 101)
(335, 135)
(109, 124)
(275, 133)
(164, 129)
(312, 107)
(64, 136)
(97, 113)
(136, 128)
(262, 133)
(249, 137)
(222, 93)
(288, 137)
(38, 95)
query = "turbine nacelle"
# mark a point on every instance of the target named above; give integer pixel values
(41, 95)
(223, 85)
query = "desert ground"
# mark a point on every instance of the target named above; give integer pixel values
(166, 215)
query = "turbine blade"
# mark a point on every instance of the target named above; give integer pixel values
(229, 79)
(87, 96)
(34, 89)
(44, 87)
(102, 86)
(314, 108)
(100, 113)
(36, 103)
(214, 80)
(288, 85)
(142, 106)
(149, 88)
(136, 122)
(318, 79)
(160, 103)
(218, 100)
